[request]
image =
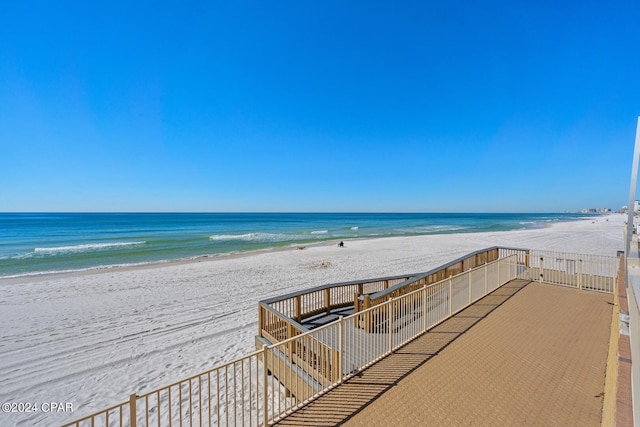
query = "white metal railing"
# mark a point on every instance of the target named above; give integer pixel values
(455, 267)
(308, 302)
(279, 317)
(591, 272)
(270, 383)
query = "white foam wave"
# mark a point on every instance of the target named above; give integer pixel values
(25, 255)
(269, 237)
(447, 228)
(354, 228)
(86, 247)
(253, 237)
(433, 229)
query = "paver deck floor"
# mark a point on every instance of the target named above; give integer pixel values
(527, 354)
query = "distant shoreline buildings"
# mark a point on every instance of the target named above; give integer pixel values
(597, 210)
(636, 207)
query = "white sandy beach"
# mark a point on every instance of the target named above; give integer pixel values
(93, 338)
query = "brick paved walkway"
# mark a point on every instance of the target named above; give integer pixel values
(528, 354)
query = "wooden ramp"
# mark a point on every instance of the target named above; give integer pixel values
(527, 354)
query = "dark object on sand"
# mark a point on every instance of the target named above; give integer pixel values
(341, 245)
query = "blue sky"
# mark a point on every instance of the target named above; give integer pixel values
(438, 106)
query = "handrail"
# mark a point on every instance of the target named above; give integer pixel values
(429, 273)
(281, 317)
(294, 307)
(332, 285)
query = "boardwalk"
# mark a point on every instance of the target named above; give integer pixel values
(528, 354)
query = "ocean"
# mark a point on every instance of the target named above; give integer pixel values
(39, 243)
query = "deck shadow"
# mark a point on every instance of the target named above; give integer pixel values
(343, 402)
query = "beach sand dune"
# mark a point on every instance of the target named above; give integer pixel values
(93, 338)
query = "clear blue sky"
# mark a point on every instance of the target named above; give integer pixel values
(433, 106)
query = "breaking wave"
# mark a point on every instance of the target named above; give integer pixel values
(254, 237)
(85, 247)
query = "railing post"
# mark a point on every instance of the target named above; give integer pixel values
(298, 313)
(510, 268)
(390, 323)
(450, 296)
(367, 317)
(541, 269)
(356, 309)
(132, 409)
(340, 347)
(580, 274)
(327, 300)
(486, 279)
(425, 309)
(265, 388)
(469, 273)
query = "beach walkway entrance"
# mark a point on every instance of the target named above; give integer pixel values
(527, 354)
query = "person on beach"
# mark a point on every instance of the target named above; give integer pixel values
(341, 245)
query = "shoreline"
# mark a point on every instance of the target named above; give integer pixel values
(89, 271)
(35, 277)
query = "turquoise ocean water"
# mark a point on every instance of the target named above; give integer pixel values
(35, 243)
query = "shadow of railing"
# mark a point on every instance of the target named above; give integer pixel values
(349, 398)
